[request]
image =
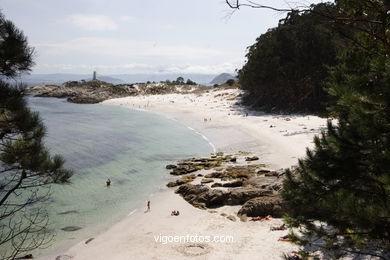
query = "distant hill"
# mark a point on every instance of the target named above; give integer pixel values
(59, 78)
(221, 78)
(203, 79)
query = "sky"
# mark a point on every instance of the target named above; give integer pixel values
(140, 36)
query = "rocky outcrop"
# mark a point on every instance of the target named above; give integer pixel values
(86, 92)
(263, 206)
(202, 196)
(96, 91)
(182, 180)
(170, 166)
(253, 158)
(233, 184)
(236, 172)
(250, 185)
(192, 165)
(206, 180)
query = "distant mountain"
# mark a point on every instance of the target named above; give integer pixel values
(59, 78)
(221, 78)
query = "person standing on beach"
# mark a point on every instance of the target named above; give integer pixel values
(148, 204)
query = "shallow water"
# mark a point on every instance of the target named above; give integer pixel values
(99, 142)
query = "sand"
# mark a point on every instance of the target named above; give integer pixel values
(278, 140)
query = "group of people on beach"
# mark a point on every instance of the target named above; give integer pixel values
(175, 213)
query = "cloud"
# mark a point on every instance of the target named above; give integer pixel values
(128, 19)
(91, 22)
(126, 49)
(137, 68)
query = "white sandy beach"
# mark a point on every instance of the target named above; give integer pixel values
(229, 130)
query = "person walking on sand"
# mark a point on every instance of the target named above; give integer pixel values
(148, 204)
(108, 182)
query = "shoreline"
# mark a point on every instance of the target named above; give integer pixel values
(277, 140)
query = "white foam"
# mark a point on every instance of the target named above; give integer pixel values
(132, 212)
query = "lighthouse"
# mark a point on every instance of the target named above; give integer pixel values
(94, 77)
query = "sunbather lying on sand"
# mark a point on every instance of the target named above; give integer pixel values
(175, 213)
(281, 227)
(285, 238)
(269, 217)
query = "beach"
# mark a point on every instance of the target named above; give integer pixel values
(278, 140)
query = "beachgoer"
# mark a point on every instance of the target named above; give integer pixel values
(256, 218)
(148, 205)
(108, 182)
(281, 227)
(285, 238)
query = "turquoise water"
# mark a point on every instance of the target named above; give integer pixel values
(99, 142)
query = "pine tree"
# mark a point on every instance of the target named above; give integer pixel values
(26, 166)
(339, 195)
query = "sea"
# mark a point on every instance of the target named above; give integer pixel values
(100, 142)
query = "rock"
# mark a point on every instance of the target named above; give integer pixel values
(240, 195)
(200, 175)
(233, 184)
(235, 172)
(277, 186)
(223, 214)
(64, 257)
(68, 212)
(232, 218)
(216, 184)
(233, 159)
(253, 158)
(262, 207)
(243, 218)
(275, 174)
(206, 180)
(71, 228)
(202, 196)
(219, 154)
(213, 211)
(182, 180)
(212, 198)
(263, 171)
(170, 166)
(89, 240)
(191, 193)
(184, 169)
(28, 256)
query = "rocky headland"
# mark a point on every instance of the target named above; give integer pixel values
(95, 91)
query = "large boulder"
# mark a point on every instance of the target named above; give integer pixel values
(263, 206)
(240, 195)
(212, 198)
(232, 184)
(184, 169)
(182, 180)
(202, 196)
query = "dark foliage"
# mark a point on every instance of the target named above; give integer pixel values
(286, 69)
(26, 166)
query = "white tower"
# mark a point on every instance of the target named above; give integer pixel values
(94, 77)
